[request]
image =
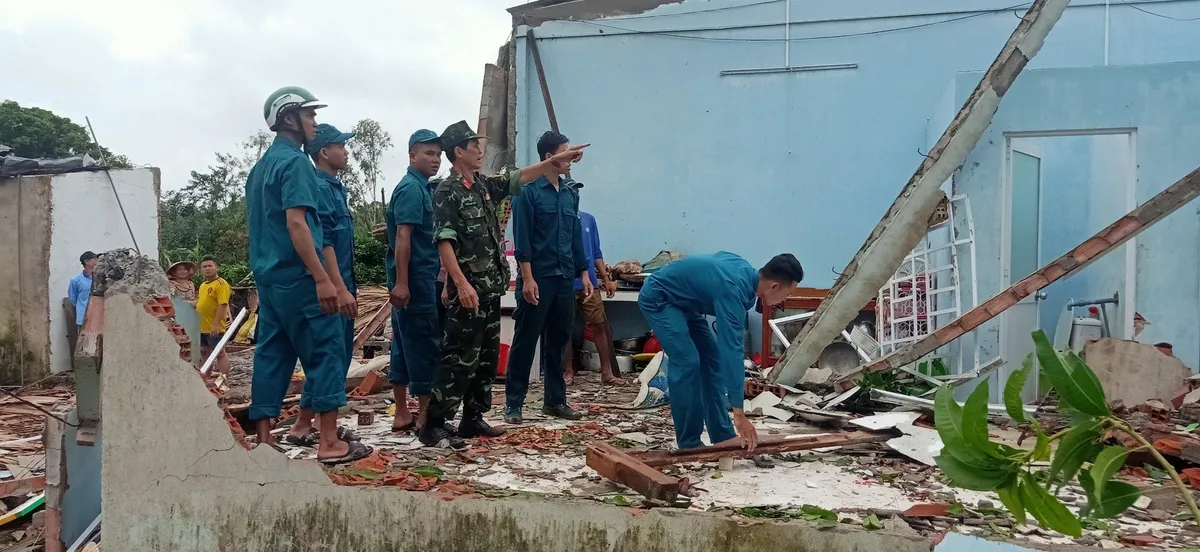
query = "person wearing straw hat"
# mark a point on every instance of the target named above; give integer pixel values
(182, 286)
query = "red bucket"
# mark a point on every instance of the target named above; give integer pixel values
(503, 364)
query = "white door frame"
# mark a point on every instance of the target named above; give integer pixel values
(1129, 294)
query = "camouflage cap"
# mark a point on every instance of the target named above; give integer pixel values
(456, 134)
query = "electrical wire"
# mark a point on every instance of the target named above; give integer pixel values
(1148, 12)
(677, 33)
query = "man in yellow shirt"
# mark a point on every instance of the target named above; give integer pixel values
(212, 302)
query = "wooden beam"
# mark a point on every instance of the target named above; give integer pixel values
(1125, 228)
(772, 446)
(531, 43)
(907, 220)
(615, 465)
(373, 326)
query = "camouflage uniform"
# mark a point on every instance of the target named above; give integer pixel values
(471, 343)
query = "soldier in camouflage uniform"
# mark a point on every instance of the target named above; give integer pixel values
(468, 236)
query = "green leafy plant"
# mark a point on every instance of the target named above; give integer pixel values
(972, 461)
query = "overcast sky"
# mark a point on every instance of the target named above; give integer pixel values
(168, 82)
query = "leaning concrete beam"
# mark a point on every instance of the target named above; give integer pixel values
(1104, 242)
(906, 221)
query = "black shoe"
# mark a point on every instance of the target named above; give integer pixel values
(437, 436)
(562, 411)
(476, 427)
(513, 416)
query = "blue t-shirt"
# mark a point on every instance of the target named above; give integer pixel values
(283, 179)
(79, 292)
(591, 248)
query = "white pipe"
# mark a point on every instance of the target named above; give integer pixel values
(1107, 6)
(224, 339)
(787, 34)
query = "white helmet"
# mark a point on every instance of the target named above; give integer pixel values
(288, 98)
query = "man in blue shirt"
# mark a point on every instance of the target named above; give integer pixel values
(707, 373)
(412, 270)
(80, 290)
(329, 155)
(299, 304)
(591, 306)
(549, 250)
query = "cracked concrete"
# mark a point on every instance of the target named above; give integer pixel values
(175, 479)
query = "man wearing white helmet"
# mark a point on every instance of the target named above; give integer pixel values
(298, 303)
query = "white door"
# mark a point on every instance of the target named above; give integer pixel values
(1022, 255)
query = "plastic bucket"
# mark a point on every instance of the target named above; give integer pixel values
(500, 368)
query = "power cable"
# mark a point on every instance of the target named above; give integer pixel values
(676, 33)
(1148, 12)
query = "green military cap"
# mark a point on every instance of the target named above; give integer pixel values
(326, 134)
(424, 136)
(456, 134)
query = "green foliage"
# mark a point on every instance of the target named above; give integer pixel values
(970, 460)
(35, 132)
(369, 259)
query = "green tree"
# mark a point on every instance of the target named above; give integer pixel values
(39, 133)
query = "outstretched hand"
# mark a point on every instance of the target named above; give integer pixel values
(570, 155)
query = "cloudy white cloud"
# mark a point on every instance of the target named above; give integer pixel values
(169, 82)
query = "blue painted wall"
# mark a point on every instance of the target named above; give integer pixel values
(1161, 103)
(689, 160)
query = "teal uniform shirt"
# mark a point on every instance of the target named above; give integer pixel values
(722, 285)
(283, 179)
(412, 203)
(337, 225)
(547, 230)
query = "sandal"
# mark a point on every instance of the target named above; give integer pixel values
(309, 439)
(357, 451)
(346, 434)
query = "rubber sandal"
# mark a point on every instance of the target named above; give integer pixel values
(357, 451)
(309, 439)
(405, 428)
(346, 434)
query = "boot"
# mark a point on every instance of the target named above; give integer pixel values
(435, 435)
(477, 427)
(562, 411)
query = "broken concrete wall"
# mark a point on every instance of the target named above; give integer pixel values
(174, 479)
(25, 306)
(85, 217)
(1159, 103)
(1134, 373)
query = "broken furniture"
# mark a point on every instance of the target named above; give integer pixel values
(639, 470)
(806, 299)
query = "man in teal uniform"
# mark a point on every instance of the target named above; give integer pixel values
(412, 269)
(707, 373)
(468, 238)
(329, 155)
(299, 304)
(549, 252)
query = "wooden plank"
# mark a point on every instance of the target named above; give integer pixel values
(376, 322)
(615, 465)
(772, 446)
(21, 487)
(1105, 241)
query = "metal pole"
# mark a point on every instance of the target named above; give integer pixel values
(113, 185)
(1107, 20)
(224, 339)
(787, 33)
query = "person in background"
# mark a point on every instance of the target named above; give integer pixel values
(591, 306)
(549, 251)
(707, 374)
(182, 287)
(412, 270)
(329, 155)
(79, 292)
(212, 302)
(468, 239)
(245, 333)
(298, 303)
